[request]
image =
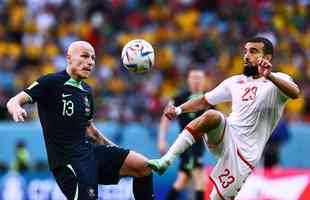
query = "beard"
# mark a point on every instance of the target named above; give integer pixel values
(250, 70)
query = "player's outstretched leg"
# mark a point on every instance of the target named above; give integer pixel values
(195, 130)
(135, 166)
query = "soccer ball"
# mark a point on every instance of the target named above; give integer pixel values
(138, 56)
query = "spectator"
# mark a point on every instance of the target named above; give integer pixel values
(33, 35)
(22, 158)
(271, 154)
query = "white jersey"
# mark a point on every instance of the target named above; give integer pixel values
(257, 105)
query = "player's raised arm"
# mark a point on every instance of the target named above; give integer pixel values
(283, 81)
(289, 88)
(96, 136)
(14, 106)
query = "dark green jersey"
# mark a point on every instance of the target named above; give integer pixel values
(185, 118)
(65, 107)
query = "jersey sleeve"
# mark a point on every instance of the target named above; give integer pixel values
(37, 89)
(281, 95)
(219, 94)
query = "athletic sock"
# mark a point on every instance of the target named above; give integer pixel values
(143, 188)
(183, 142)
(199, 195)
(172, 194)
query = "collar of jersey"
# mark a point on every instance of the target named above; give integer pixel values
(74, 83)
(195, 95)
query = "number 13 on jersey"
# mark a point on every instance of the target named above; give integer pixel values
(68, 108)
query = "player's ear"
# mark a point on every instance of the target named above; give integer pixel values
(69, 58)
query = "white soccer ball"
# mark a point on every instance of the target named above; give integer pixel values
(138, 56)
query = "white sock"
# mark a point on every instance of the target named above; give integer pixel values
(183, 142)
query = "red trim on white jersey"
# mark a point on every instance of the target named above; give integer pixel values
(216, 188)
(244, 160)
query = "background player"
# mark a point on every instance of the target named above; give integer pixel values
(65, 107)
(191, 160)
(258, 99)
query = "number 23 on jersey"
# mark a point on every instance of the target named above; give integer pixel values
(249, 94)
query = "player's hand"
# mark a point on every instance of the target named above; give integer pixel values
(162, 146)
(264, 67)
(18, 114)
(170, 112)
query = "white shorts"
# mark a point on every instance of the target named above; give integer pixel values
(231, 169)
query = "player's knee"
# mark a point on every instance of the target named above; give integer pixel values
(181, 183)
(199, 178)
(145, 172)
(135, 165)
(212, 118)
(142, 171)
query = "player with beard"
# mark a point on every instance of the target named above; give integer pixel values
(258, 99)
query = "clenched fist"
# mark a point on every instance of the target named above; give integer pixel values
(171, 112)
(264, 67)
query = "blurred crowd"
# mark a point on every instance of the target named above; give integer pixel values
(185, 34)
